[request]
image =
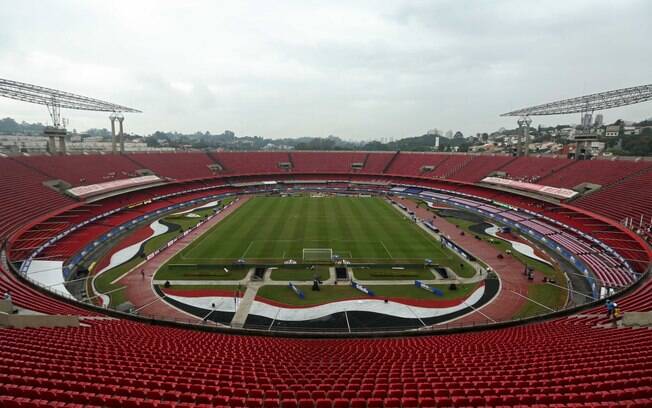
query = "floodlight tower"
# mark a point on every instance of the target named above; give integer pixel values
(586, 105)
(119, 117)
(54, 100)
(523, 136)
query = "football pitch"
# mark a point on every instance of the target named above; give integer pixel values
(276, 229)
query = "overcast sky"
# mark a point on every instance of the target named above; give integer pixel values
(357, 69)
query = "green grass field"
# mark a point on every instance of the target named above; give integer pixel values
(286, 296)
(386, 273)
(299, 274)
(273, 229)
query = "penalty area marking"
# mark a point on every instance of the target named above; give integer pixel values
(247, 250)
(386, 250)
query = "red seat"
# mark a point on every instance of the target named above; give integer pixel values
(271, 403)
(323, 403)
(306, 403)
(288, 403)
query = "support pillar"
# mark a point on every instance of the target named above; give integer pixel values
(62, 145)
(52, 146)
(121, 135)
(524, 136)
(112, 118)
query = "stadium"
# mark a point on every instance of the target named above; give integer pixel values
(335, 248)
(499, 339)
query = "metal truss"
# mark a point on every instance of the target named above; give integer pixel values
(589, 103)
(54, 98)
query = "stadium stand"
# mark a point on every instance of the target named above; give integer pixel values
(187, 165)
(79, 170)
(452, 165)
(313, 162)
(481, 166)
(243, 163)
(602, 172)
(577, 361)
(20, 185)
(118, 363)
(376, 163)
(413, 164)
(631, 198)
(533, 169)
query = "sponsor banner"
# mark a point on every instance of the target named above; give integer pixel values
(93, 189)
(448, 243)
(422, 285)
(361, 288)
(556, 192)
(296, 290)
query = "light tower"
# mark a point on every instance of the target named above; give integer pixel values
(121, 135)
(586, 105)
(523, 136)
(117, 116)
(54, 100)
(112, 118)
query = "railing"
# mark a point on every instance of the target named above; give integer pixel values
(446, 327)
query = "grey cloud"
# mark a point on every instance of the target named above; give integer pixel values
(360, 70)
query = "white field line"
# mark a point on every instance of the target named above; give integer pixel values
(532, 300)
(386, 250)
(247, 250)
(147, 304)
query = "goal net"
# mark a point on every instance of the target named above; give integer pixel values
(317, 254)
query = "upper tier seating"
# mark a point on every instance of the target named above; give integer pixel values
(337, 162)
(252, 162)
(411, 164)
(533, 169)
(602, 172)
(376, 162)
(23, 196)
(79, 169)
(181, 166)
(452, 165)
(480, 167)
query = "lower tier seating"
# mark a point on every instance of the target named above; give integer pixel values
(565, 363)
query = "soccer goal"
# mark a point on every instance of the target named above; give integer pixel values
(317, 254)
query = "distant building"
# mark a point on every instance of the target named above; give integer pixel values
(565, 133)
(599, 120)
(612, 131)
(629, 130)
(640, 130)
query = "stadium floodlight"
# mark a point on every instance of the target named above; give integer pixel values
(54, 99)
(589, 103)
(585, 105)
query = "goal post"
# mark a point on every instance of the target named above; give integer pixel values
(317, 254)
